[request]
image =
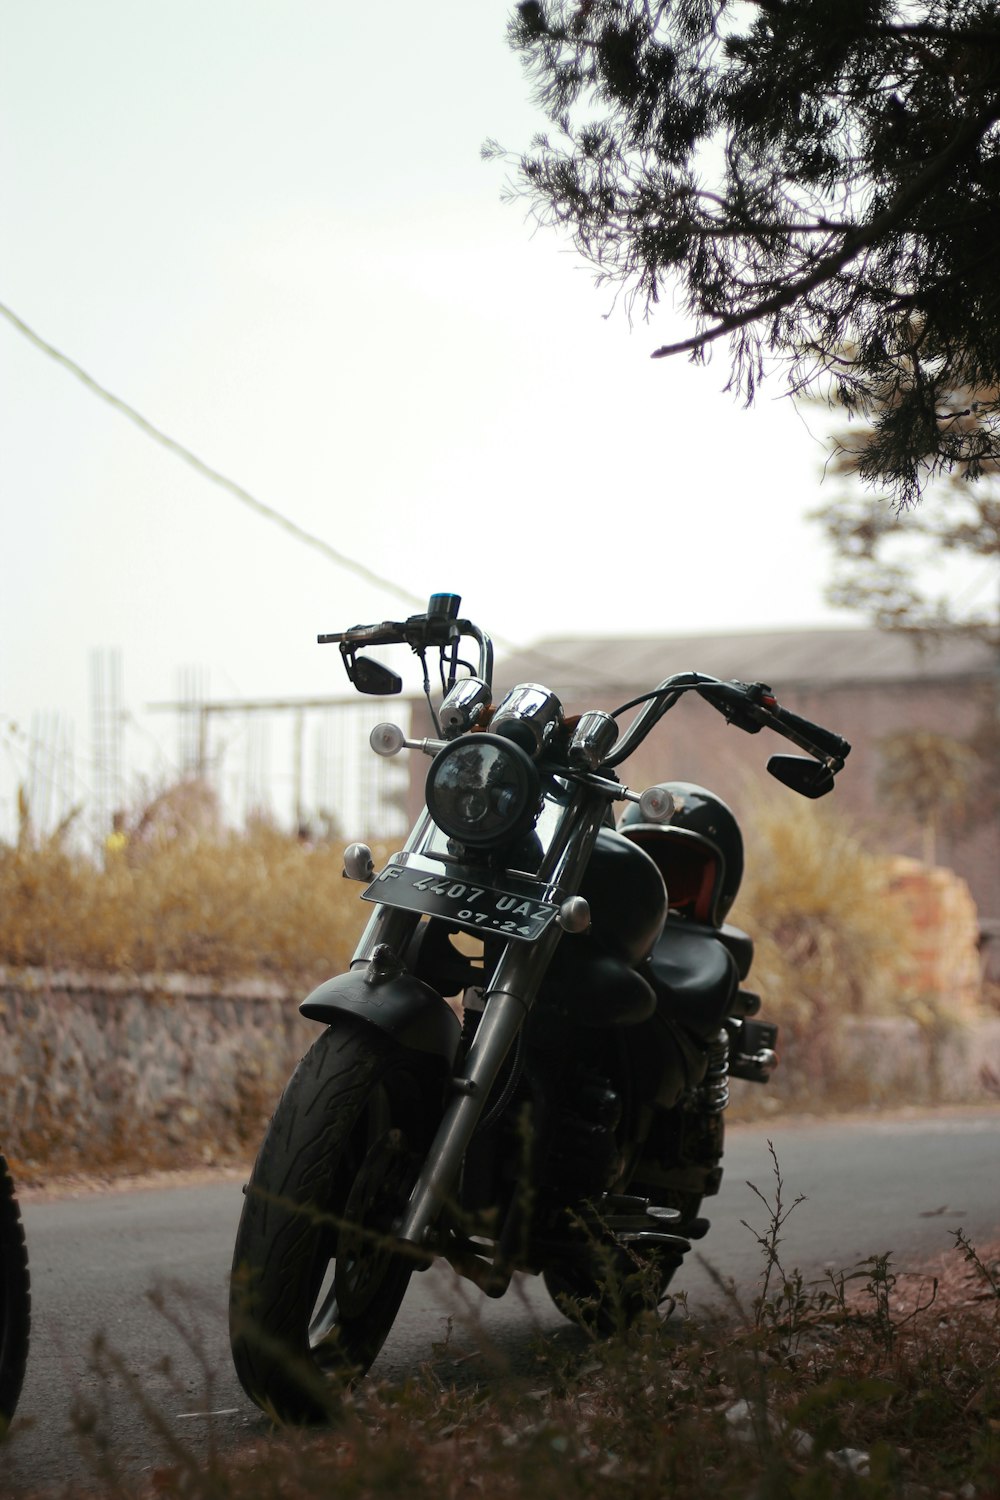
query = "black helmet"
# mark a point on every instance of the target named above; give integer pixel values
(699, 851)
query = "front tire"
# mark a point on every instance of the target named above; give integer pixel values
(316, 1281)
(15, 1299)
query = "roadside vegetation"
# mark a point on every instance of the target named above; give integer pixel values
(815, 899)
(174, 890)
(875, 1382)
(832, 945)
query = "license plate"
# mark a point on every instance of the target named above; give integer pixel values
(481, 908)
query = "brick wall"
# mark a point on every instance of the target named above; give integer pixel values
(945, 976)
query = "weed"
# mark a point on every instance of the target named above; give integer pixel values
(820, 1410)
(989, 1274)
(785, 1306)
(181, 895)
(836, 942)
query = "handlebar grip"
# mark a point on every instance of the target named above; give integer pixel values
(388, 633)
(824, 740)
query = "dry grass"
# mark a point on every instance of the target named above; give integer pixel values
(177, 892)
(871, 1384)
(815, 901)
(831, 944)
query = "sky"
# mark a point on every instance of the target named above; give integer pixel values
(269, 229)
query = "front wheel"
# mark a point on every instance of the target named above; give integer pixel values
(317, 1281)
(15, 1299)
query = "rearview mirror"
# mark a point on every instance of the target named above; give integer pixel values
(372, 677)
(806, 776)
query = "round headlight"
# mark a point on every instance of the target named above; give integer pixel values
(483, 790)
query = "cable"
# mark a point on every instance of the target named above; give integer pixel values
(599, 678)
(206, 470)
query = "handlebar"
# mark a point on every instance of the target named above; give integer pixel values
(439, 626)
(750, 706)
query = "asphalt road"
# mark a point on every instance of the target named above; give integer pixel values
(129, 1288)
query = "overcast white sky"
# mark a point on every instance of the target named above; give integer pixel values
(269, 229)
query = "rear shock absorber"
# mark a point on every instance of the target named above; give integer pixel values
(712, 1094)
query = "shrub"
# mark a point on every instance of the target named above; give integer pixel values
(828, 942)
(180, 892)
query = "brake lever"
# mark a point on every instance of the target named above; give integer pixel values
(822, 743)
(752, 706)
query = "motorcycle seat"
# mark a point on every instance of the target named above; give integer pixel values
(694, 975)
(739, 943)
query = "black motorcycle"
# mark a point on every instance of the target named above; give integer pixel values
(15, 1299)
(563, 1115)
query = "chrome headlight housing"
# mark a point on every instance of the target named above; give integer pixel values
(483, 790)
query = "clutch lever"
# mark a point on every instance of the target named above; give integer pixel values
(731, 701)
(388, 633)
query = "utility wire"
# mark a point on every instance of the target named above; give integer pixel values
(268, 511)
(206, 470)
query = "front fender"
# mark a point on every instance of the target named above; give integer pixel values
(404, 1007)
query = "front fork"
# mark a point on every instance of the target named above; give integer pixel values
(507, 1002)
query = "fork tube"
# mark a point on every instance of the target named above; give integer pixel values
(511, 995)
(503, 1017)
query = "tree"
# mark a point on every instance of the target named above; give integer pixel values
(808, 177)
(933, 779)
(887, 565)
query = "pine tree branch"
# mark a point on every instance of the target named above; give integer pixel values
(855, 242)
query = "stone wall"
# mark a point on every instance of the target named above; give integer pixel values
(950, 1064)
(168, 1069)
(882, 1062)
(107, 1066)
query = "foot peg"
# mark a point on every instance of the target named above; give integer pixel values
(751, 1051)
(617, 1204)
(637, 1221)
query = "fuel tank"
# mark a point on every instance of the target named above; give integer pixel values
(593, 976)
(627, 897)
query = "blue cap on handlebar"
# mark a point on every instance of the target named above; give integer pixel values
(445, 606)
